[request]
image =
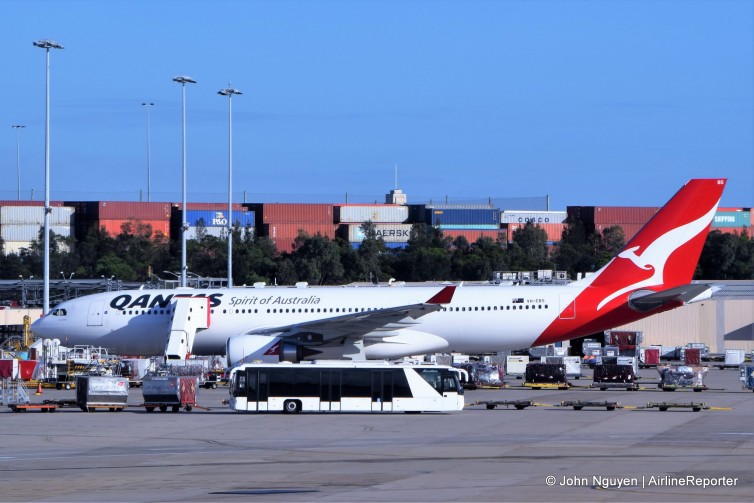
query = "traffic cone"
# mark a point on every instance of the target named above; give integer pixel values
(39, 388)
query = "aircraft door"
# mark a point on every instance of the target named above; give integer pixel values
(567, 306)
(94, 318)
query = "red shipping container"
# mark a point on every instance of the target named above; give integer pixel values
(209, 206)
(554, 231)
(289, 212)
(115, 227)
(291, 230)
(284, 245)
(26, 369)
(472, 235)
(651, 356)
(629, 230)
(623, 214)
(120, 210)
(692, 356)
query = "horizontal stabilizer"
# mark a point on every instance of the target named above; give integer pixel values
(645, 300)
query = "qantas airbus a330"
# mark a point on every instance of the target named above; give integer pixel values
(651, 274)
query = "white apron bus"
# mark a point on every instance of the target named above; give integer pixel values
(344, 386)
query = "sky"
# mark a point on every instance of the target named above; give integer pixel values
(614, 102)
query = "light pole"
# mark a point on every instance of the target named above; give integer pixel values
(229, 92)
(47, 45)
(183, 80)
(149, 106)
(18, 128)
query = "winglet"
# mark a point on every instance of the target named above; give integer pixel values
(444, 296)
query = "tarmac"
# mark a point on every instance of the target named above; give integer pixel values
(544, 452)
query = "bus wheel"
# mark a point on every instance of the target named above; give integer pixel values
(292, 406)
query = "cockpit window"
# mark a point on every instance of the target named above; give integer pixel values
(59, 312)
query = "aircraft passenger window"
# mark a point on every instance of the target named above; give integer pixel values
(268, 311)
(545, 306)
(255, 311)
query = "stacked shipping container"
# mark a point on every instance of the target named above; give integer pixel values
(281, 222)
(732, 220)
(20, 225)
(212, 216)
(389, 221)
(117, 216)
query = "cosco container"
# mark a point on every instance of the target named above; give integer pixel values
(535, 217)
(34, 215)
(382, 213)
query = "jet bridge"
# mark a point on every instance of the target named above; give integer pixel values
(190, 315)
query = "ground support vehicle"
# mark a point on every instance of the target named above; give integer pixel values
(664, 406)
(101, 392)
(169, 392)
(579, 404)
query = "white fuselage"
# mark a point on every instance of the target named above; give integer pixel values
(478, 319)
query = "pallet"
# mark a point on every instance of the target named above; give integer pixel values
(613, 385)
(518, 404)
(578, 404)
(42, 407)
(664, 406)
(546, 385)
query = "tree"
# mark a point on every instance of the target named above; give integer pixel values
(528, 251)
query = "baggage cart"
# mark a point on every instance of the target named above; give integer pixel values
(169, 391)
(101, 392)
(614, 376)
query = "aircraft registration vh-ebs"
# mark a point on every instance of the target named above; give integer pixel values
(651, 274)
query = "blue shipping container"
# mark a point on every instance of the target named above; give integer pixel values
(355, 246)
(219, 218)
(728, 219)
(450, 216)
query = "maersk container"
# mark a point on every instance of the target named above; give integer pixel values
(535, 217)
(464, 218)
(381, 213)
(29, 215)
(731, 219)
(101, 391)
(396, 233)
(218, 218)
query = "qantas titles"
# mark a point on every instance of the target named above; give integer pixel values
(149, 301)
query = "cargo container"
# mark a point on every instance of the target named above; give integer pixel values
(515, 365)
(218, 232)
(390, 233)
(629, 230)
(535, 217)
(217, 218)
(623, 338)
(464, 218)
(732, 230)
(747, 376)
(609, 214)
(545, 373)
(291, 230)
(8, 368)
(267, 213)
(26, 369)
(16, 247)
(681, 376)
(649, 357)
(614, 376)
(390, 246)
(115, 227)
(692, 356)
(208, 207)
(472, 235)
(93, 392)
(34, 215)
(31, 232)
(21, 202)
(734, 357)
(121, 210)
(735, 219)
(554, 232)
(171, 391)
(382, 213)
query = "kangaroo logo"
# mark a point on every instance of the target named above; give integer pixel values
(655, 256)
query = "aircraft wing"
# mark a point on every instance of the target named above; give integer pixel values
(358, 324)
